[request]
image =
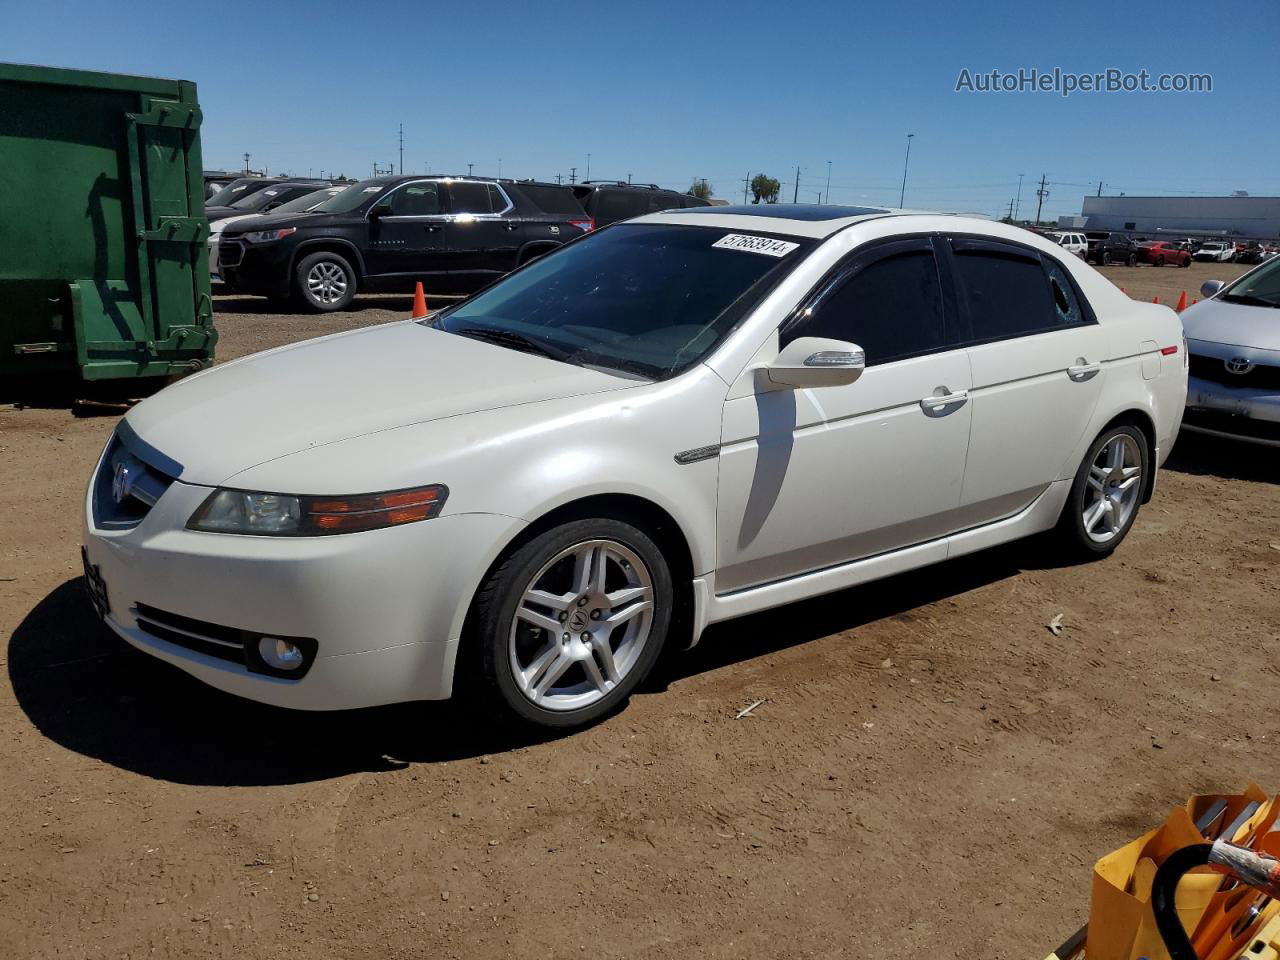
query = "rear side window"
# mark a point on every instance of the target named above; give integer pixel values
(1004, 295)
(1065, 304)
(665, 201)
(496, 200)
(891, 307)
(553, 199)
(470, 198)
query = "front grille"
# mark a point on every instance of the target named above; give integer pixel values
(230, 253)
(1229, 423)
(1261, 377)
(126, 487)
(215, 640)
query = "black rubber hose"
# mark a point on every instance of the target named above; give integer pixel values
(1163, 898)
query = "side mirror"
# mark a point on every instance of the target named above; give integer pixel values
(818, 362)
(379, 211)
(1210, 288)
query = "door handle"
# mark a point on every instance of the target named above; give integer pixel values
(508, 225)
(1081, 371)
(431, 227)
(937, 401)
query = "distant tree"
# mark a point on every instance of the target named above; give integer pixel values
(764, 188)
(701, 189)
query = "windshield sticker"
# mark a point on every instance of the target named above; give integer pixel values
(271, 193)
(372, 189)
(766, 245)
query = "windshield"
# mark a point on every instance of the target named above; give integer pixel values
(308, 200)
(642, 299)
(260, 198)
(1260, 287)
(352, 198)
(232, 191)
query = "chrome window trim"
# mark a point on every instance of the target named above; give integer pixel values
(443, 217)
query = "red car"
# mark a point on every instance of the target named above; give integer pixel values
(1161, 253)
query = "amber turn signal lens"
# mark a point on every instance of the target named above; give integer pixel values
(369, 512)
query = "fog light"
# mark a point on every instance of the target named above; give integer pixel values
(280, 654)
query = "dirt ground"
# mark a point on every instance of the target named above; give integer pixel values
(931, 773)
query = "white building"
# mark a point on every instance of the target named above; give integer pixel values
(1239, 217)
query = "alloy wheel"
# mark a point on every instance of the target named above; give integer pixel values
(327, 282)
(581, 625)
(1112, 489)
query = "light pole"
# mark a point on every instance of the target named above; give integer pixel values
(469, 166)
(1017, 203)
(588, 176)
(828, 200)
(902, 198)
(499, 168)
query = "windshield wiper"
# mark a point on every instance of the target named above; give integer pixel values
(1248, 299)
(513, 340)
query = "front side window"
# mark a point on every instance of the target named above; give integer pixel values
(648, 300)
(470, 198)
(416, 200)
(1003, 294)
(891, 307)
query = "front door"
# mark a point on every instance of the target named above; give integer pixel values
(817, 477)
(483, 234)
(408, 244)
(1037, 355)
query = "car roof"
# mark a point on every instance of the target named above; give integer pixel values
(797, 219)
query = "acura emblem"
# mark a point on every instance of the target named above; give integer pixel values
(122, 478)
(1237, 365)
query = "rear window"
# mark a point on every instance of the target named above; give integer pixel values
(552, 199)
(611, 205)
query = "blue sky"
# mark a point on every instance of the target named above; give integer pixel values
(667, 91)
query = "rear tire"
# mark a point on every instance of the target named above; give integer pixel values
(324, 282)
(571, 622)
(1106, 494)
(1105, 259)
(1133, 260)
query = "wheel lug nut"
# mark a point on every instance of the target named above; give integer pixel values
(582, 601)
(565, 638)
(563, 616)
(595, 614)
(586, 638)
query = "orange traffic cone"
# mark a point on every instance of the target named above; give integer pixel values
(1155, 299)
(1182, 302)
(419, 302)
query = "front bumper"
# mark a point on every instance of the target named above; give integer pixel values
(385, 607)
(1240, 413)
(260, 268)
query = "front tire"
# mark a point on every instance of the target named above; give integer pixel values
(1106, 493)
(1133, 260)
(324, 282)
(572, 621)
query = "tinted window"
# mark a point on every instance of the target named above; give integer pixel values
(664, 201)
(416, 200)
(1003, 295)
(620, 204)
(891, 307)
(496, 200)
(469, 198)
(647, 299)
(353, 197)
(552, 199)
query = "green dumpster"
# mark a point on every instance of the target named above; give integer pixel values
(102, 231)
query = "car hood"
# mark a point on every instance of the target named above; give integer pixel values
(222, 421)
(218, 226)
(270, 221)
(1213, 321)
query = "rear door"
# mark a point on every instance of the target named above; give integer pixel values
(483, 234)
(1036, 352)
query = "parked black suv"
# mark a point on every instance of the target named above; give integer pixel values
(1105, 248)
(607, 201)
(455, 234)
(264, 199)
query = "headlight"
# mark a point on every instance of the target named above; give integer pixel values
(265, 236)
(283, 515)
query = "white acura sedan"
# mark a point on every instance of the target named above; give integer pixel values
(671, 422)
